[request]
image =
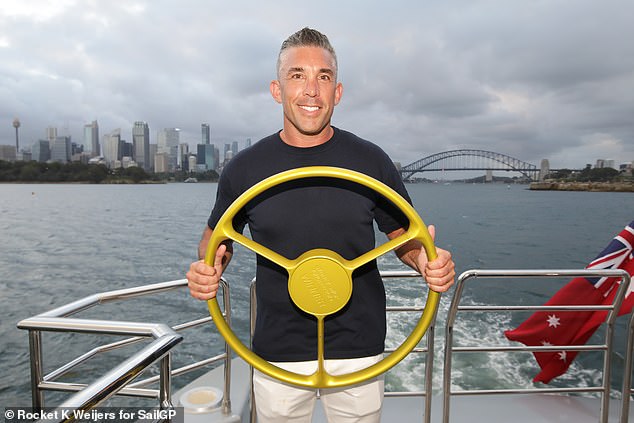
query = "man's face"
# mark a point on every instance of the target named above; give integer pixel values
(308, 90)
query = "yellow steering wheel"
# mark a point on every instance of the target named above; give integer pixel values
(320, 280)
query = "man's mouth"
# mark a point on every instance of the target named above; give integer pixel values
(310, 108)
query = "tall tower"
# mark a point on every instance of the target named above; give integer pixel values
(168, 140)
(16, 125)
(206, 133)
(544, 170)
(141, 144)
(91, 138)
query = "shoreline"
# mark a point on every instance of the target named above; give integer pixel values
(583, 186)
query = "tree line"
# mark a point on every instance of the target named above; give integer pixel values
(589, 174)
(77, 172)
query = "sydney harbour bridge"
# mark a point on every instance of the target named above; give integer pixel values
(471, 160)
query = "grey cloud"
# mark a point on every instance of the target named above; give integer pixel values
(530, 79)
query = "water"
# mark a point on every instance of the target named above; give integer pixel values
(64, 242)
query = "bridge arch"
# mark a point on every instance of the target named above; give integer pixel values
(467, 159)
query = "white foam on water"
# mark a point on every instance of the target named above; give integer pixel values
(478, 370)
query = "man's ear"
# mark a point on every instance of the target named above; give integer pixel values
(338, 93)
(276, 90)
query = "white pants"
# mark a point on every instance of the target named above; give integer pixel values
(279, 402)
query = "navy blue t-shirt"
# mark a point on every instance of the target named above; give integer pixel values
(305, 214)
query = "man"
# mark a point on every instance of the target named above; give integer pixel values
(308, 214)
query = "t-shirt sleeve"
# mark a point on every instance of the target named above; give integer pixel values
(387, 215)
(225, 196)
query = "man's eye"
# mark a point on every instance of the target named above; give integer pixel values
(325, 77)
(296, 76)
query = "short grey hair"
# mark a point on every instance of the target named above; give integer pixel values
(306, 37)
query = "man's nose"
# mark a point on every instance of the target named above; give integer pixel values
(311, 88)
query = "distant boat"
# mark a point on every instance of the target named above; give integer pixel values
(191, 180)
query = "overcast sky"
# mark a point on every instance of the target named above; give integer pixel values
(529, 78)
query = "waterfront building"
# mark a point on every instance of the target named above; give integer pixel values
(183, 152)
(191, 163)
(248, 143)
(61, 149)
(111, 144)
(91, 138)
(161, 162)
(7, 153)
(603, 163)
(168, 140)
(127, 161)
(207, 156)
(153, 151)
(141, 144)
(125, 149)
(234, 148)
(99, 160)
(226, 152)
(41, 151)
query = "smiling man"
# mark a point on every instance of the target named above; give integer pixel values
(308, 90)
(305, 215)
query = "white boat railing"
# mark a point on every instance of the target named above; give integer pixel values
(606, 346)
(117, 380)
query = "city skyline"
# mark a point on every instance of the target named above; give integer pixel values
(541, 80)
(140, 142)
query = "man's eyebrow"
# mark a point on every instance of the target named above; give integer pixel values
(300, 69)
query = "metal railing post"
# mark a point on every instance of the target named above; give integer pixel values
(35, 350)
(165, 382)
(226, 399)
(253, 307)
(627, 377)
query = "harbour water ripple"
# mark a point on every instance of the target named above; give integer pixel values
(64, 242)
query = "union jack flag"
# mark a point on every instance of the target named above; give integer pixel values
(575, 328)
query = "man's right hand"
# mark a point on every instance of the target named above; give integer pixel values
(202, 279)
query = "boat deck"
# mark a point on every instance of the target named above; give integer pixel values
(516, 405)
(540, 408)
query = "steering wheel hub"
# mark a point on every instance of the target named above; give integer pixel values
(320, 285)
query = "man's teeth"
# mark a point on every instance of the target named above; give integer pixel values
(310, 108)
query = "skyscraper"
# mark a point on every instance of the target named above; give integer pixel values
(111, 147)
(207, 155)
(41, 151)
(206, 133)
(168, 140)
(183, 152)
(226, 156)
(51, 133)
(141, 144)
(91, 138)
(61, 149)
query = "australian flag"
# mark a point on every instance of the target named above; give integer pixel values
(550, 328)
